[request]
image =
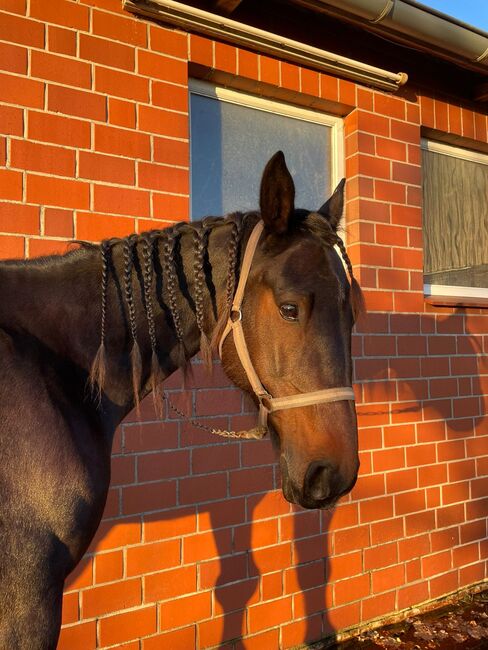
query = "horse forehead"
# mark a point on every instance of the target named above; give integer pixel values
(307, 263)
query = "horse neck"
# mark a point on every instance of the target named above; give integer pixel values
(56, 302)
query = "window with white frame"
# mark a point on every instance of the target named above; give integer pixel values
(234, 134)
(455, 223)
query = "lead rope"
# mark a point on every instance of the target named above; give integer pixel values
(257, 433)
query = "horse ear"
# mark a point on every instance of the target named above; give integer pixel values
(277, 195)
(332, 209)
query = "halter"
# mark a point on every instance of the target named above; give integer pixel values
(267, 403)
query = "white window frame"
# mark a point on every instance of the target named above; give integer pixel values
(337, 160)
(446, 294)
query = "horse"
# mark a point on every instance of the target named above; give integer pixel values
(86, 335)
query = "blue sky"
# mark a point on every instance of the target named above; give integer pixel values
(474, 12)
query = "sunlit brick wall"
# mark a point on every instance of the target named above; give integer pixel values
(197, 546)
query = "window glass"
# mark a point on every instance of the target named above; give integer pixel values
(231, 143)
(455, 194)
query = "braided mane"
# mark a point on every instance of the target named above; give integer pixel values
(162, 245)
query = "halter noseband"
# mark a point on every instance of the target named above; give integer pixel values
(267, 403)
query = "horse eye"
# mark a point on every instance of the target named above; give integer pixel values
(289, 311)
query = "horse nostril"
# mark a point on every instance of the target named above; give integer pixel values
(317, 483)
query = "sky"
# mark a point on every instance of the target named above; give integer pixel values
(473, 12)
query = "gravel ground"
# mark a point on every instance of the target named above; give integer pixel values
(460, 626)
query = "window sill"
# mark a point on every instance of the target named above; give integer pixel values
(451, 296)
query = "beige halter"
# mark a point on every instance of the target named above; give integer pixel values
(267, 403)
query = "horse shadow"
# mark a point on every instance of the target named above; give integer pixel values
(243, 543)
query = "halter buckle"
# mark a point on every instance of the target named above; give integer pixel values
(265, 401)
(235, 315)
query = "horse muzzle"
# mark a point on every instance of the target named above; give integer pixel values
(322, 485)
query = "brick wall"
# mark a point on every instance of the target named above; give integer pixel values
(197, 545)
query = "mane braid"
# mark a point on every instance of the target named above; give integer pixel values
(232, 263)
(99, 366)
(129, 249)
(199, 242)
(148, 279)
(171, 285)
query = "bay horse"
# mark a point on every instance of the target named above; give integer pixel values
(86, 335)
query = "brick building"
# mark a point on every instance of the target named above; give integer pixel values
(197, 547)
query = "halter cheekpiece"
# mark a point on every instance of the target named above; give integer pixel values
(267, 403)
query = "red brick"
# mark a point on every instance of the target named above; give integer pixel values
(349, 540)
(13, 58)
(201, 50)
(61, 69)
(392, 235)
(182, 522)
(78, 637)
(274, 558)
(12, 120)
(60, 40)
(409, 502)
(178, 640)
(41, 248)
(163, 178)
(413, 595)
(91, 226)
(161, 67)
(15, 6)
(169, 96)
(77, 103)
(259, 534)
(58, 223)
(121, 113)
(388, 191)
(437, 563)
(406, 173)
(204, 546)
(248, 481)
(170, 584)
(122, 142)
(57, 192)
(59, 130)
(371, 123)
(109, 567)
(19, 218)
(347, 92)
(21, 30)
(225, 57)
(377, 605)
(248, 64)
(183, 611)
(413, 547)
(342, 617)
(390, 106)
(42, 158)
(106, 168)
(444, 584)
(120, 28)
(388, 459)
(121, 84)
(375, 509)
(450, 515)
(351, 589)
(290, 76)
(158, 121)
(61, 12)
(153, 467)
(107, 52)
(130, 202)
(114, 630)
(387, 579)
(267, 615)
(380, 556)
(139, 499)
(152, 557)
(329, 87)
(109, 598)
(19, 90)
(391, 149)
(11, 247)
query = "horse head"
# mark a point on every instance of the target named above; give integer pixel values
(298, 312)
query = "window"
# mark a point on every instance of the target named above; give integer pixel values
(455, 197)
(233, 135)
